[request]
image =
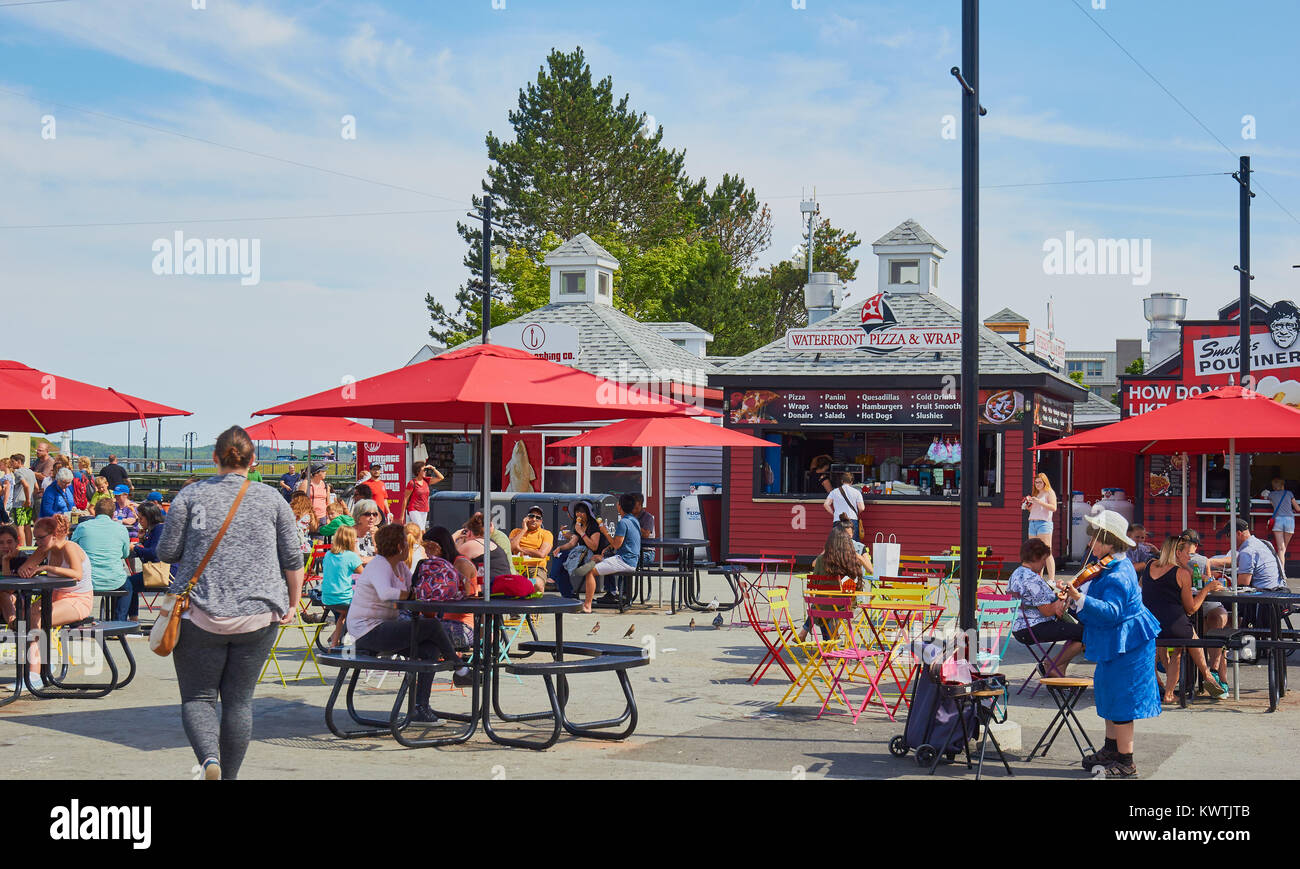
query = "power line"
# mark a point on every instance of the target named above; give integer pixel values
(33, 3)
(188, 220)
(1177, 101)
(235, 148)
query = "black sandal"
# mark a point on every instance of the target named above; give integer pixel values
(1120, 769)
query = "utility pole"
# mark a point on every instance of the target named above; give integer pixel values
(1244, 277)
(968, 76)
(810, 208)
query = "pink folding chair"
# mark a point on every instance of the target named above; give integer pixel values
(842, 648)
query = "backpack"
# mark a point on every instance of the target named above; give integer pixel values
(436, 579)
(79, 485)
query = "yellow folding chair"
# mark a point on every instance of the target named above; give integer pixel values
(308, 648)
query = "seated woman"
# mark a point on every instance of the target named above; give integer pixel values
(146, 549)
(373, 621)
(445, 574)
(1041, 609)
(337, 573)
(839, 562)
(859, 548)
(578, 548)
(414, 544)
(9, 559)
(63, 558)
(1167, 593)
(366, 518)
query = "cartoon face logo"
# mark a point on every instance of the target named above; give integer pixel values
(1284, 324)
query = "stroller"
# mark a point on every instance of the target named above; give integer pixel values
(933, 714)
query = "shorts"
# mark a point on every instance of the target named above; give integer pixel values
(1039, 526)
(1285, 524)
(1178, 629)
(82, 601)
(23, 516)
(418, 517)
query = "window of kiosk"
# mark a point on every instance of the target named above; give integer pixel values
(922, 464)
(559, 465)
(614, 470)
(1264, 467)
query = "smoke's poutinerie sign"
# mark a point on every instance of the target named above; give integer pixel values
(878, 333)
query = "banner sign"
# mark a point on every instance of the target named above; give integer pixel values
(393, 459)
(554, 342)
(1049, 348)
(856, 407)
(1053, 413)
(879, 333)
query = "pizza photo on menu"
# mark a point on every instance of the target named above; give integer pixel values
(747, 407)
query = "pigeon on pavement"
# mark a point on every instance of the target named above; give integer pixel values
(713, 604)
(718, 620)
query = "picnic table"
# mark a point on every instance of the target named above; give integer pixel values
(1277, 645)
(42, 585)
(682, 571)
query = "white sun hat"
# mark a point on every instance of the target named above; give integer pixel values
(1109, 520)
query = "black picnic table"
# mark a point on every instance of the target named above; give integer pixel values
(488, 616)
(25, 590)
(1276, 650)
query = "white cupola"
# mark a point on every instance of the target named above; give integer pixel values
(909, 259)
(581, 272)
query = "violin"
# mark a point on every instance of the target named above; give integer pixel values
(1090, 572)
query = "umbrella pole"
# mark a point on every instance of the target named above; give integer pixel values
(486, 454)
(1184, 490)
(1232, 537)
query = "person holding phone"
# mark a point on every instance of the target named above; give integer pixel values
(415, 500)
(1041, 503)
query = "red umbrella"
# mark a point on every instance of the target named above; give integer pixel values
(667, 431)
(50, 403)
(1207, 423)
(491, 385)
(319, 428)
(521, 390)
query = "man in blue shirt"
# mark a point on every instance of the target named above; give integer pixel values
(289, 482)
(1257, 566)
(626, 541)
(107, 544)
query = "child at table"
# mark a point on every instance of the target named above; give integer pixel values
(1120, 635)
(339, 566)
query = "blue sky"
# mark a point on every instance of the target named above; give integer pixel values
(847, 97)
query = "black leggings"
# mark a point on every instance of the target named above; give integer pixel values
(394, 637)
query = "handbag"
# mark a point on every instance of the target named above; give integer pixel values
(1278, 509)
(167, 629)
(157, 574)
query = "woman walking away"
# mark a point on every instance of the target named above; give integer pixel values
(1284, 509)
(251, 583)
(1041, 504)
(1120, 635)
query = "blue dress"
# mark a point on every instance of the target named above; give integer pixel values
(1119, 633)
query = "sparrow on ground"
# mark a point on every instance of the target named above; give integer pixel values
(594, 628)
(691, 627)
(630, 630)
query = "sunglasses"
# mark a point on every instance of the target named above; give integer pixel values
(370, 514)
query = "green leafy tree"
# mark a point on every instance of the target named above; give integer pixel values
(1137, 366)
(1077, 377)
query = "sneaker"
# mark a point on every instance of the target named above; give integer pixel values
(211, 770)
(35, 681)
(425, 715)
(1102, 757)
(462, 680)
(1222, 684)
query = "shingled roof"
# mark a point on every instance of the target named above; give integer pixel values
(608, 337)
(581, 245)
(1006, 315)
(908, 232)
(996, 356)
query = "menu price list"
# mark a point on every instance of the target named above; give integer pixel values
(877, 408)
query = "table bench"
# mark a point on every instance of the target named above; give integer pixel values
(347, 660)
(596, 658)
(101, 632)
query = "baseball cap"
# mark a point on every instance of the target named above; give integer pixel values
(1191, 535)
(154, 496)
(535, 509)
(316, 469)
(121, 489)
(1242, 525)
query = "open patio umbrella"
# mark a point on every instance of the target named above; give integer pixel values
(1223, 420)
(318, 428)
(489, 385)
(51, 403)
(666, 431)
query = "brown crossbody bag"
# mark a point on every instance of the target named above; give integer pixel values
(167, 629)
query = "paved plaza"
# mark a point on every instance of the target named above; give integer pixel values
(699, 718)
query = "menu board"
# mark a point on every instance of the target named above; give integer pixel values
(1053, 413)
(1165, 476)
(895, 407)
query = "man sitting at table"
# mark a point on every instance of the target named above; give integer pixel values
(533, 541)
(1039, 618)
(626, 542)
(646, 520)
(1257, 567)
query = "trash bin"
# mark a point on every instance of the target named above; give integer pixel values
(451, 509)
